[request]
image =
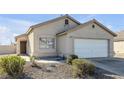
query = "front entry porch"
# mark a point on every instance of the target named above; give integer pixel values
(23, 47)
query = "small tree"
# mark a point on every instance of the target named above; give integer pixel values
(33, 61)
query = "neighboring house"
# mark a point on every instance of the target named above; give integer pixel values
(119, 44)
(63, 36)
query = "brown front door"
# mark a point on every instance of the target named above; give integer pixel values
(23, 47)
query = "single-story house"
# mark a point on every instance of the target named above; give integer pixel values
(119, 43)
(63, 36)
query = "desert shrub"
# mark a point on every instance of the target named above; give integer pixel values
(82, 68)
(12, 65)
(70, 58)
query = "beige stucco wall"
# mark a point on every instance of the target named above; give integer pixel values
(85, 33)
(7, 49)
(61, 45)
(119, 48)
(30, 44)
(49, 30)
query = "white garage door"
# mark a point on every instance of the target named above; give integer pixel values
(87, 48)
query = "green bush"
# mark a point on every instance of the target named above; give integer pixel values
(12, 65)
(82, 67)
(71, 58)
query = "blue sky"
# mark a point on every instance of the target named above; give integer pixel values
(12, 25)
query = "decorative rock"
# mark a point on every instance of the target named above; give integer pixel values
(52, 65)
(49, 69)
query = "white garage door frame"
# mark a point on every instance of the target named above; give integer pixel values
(88, 54)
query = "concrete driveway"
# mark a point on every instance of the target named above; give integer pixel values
(114, 65)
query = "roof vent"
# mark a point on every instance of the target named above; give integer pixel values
(66, 26)
(66, 22)
(93, 26)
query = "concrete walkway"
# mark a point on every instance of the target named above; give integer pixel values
(114, 65)
(27, 58)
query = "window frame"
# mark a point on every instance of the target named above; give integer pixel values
(47, 46)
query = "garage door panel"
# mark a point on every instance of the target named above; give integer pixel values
(91, 48)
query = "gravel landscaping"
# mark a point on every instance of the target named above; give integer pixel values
(49, 71)
(58, 71)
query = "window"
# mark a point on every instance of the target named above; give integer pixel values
(47, 42)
